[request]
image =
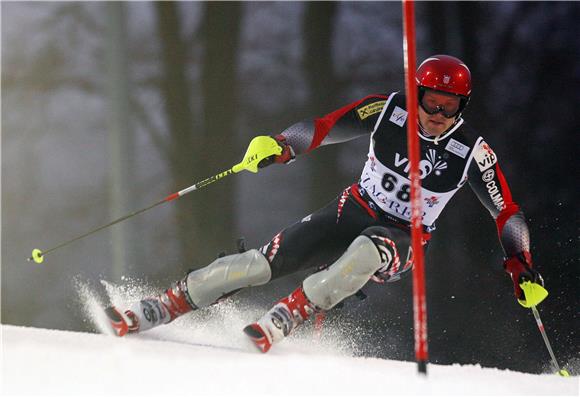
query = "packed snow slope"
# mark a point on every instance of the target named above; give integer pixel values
(50, 362)
(205, 353)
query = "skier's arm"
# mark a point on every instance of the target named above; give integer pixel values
(349, 122)
(489, 184)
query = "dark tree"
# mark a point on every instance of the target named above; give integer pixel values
(217, 142)
(324, 170)
(184, 152)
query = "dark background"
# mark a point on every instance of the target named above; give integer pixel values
(109, 107)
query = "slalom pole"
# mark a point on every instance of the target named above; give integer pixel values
(260, 148)
(419, 299)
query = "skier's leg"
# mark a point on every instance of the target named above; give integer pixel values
(316, 240)
(373, 250)
(376, 249)
(320, 238)
(199, 288)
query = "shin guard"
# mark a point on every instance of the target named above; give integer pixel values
(227, 274)
(346, 276)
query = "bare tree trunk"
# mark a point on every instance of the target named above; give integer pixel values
(322, 82)
(120, 133)
(216, 218)
(183, 151)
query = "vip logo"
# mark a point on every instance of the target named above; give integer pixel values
(484, 156)
(446, 79)
(399, 116)
(432, 201)
(433, 163)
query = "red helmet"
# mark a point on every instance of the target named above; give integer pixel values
(447, 74)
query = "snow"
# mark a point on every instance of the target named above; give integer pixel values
(205, 353)
(52, 362)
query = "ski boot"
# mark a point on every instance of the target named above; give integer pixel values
(277, 323)
(122, 323)
(151, 312)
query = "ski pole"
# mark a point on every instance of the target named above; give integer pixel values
(534, 294)
(260, 148)
(559, 371)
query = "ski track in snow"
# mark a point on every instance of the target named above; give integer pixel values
(206, 353)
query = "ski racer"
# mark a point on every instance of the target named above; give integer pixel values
(364, 233)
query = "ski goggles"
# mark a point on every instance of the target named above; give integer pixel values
(449, 109)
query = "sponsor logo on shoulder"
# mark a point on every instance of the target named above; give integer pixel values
(370, 109)
(399, 116)
(457, 148)
(484, 156)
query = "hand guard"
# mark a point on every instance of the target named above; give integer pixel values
(287, 155)
(519, 267)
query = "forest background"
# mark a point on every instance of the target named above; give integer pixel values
(110, 106)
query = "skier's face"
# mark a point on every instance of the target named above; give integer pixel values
(436, 124)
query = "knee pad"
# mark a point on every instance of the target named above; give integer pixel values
(224, 275)
(383, 240)
(346, 276)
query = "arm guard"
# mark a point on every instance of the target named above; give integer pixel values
(349, 122)
(515, 236)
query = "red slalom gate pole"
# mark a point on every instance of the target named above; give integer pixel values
(419, 300)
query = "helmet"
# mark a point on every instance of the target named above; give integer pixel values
(447, 74)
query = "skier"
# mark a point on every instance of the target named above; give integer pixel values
(364, 233)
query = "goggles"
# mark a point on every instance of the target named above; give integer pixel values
(449, 109)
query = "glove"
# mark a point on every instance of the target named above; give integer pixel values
(287, 155)
(519, 267)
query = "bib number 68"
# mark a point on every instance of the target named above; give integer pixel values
(390, 183)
